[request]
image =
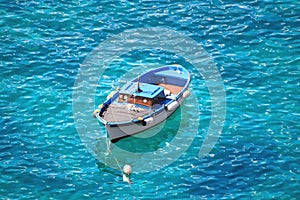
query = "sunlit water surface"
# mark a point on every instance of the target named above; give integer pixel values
(256, 48)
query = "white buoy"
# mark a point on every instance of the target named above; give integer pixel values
(172, 106)
(127, 169)
(148, 121)
(186, 94)
(126, 173)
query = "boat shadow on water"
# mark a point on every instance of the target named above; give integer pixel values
(154, 138)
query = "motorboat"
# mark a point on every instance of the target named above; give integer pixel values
(144, 102)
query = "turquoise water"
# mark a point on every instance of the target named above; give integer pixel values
(256, 48)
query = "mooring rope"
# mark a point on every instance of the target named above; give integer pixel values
(109, 151)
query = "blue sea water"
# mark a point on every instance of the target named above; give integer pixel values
(256, 48)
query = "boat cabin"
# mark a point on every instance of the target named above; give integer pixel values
(142, 94)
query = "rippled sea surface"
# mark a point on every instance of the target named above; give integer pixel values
(255, 46)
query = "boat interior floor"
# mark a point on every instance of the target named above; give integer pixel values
(174, 89)
(124, 112)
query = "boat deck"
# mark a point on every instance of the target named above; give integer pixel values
(119, 112)
(173, 88)
(124, 112)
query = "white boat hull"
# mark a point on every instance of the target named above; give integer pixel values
(117, 132)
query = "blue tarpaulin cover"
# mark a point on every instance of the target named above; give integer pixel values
(148, 90)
